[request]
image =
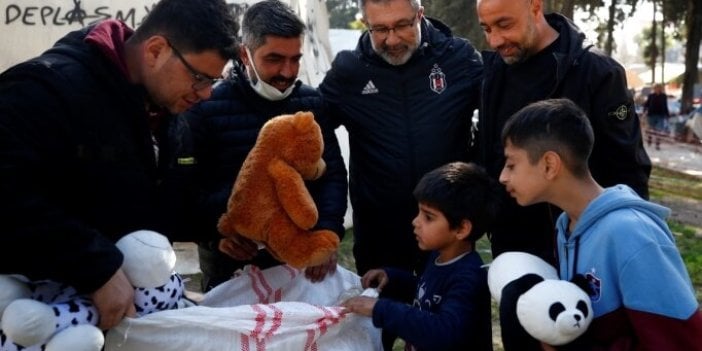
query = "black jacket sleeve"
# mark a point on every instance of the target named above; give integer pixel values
(330, 191)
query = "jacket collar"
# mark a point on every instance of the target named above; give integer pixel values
(109, 37)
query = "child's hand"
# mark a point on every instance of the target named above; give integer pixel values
(547, 347)
(375, 278)
(361, 305)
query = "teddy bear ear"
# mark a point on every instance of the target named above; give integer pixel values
(303, 119)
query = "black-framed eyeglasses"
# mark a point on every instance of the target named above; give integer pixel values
(202, 81)
(402, 28)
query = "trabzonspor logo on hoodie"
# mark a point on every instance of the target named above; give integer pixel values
(595, 285)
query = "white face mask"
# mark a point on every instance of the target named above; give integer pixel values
(264, 89)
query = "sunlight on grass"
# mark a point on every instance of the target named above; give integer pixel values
(346, 251)
(690, 245)
(668, 182)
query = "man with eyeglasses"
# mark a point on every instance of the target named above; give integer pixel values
(261, 85)
(406, 95)
(201, 81)
(85, 138)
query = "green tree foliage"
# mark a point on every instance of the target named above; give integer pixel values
(653, 48)
(685, 20)
(568, 7)
(681, 18)
(342, 13)
(460, 16)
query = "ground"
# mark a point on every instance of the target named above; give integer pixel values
(683, 210)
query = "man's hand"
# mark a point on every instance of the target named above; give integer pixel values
(114, 300)
(375, 278)
(318, 273)
(547, 347)
(238, 247)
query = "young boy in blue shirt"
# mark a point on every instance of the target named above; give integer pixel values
(451, 306)
(610, 240)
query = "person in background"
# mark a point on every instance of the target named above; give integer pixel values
(536, 57)
(656, 111)
(451, 305)
(610, 241)
(84, 143)
(262, 85)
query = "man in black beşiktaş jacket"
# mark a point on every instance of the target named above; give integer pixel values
(406, 96)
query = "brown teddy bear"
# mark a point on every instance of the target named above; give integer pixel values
(269, 202)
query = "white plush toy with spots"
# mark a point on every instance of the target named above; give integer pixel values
(49, 316)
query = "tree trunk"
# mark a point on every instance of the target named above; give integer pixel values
(609, 43)
(663, 43)
(549, 6)
(568, 8)
(460, 16)
(692, 50)
(654, 47)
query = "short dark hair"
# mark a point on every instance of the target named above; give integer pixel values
(193, 26)
(461, 191)
(269, 17)
(557, 125)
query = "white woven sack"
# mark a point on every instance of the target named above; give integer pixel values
(263, 310)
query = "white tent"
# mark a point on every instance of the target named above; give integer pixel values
(669, 71)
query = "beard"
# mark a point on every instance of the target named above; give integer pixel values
(516, 52)
(512, 53)
(399, 54)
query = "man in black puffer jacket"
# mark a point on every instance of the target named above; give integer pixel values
(406, 96)
(84, 143)
(225, 129)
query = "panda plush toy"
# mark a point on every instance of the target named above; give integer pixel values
(535, 306)
(45, 315)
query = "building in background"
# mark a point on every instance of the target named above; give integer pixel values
(29, 27)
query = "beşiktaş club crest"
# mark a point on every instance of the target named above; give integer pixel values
(437, 80)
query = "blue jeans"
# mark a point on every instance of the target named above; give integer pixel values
(656, 122)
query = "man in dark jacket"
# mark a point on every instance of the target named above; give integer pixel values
(81, 149)
(406, 96)
(538, 57)
(263, 85)
(656, 111)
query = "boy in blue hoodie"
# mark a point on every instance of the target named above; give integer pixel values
(451, 306)
(612, 242)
